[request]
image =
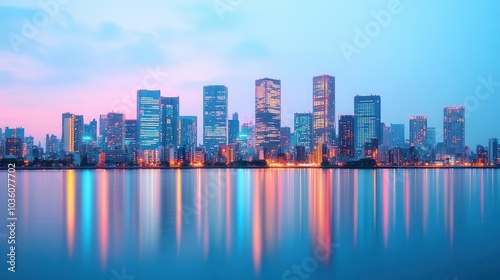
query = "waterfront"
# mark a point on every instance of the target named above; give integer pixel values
(257, 224)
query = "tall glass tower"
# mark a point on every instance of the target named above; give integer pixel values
(367, 111)
(148, 119)
(418, 131)
(324, 110)
(115, 136)
(303, 130)
(215, 100)
(346, 136)
(68, 133)
(268, 116)
(169, 121)
(454, 129)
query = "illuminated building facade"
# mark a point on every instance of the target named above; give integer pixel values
(397, 135)
(324, 110)
(367, 126)
(346, 137)
(418, 131)
(303, 131)
(188, 131)
(68, 133)
(454, 129)
(169, 121)
(115, 136)
(267, 116)
(215, 100)
(148, 119)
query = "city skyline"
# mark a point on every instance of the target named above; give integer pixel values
(108, 58)
(171, 105)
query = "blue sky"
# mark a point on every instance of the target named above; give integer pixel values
(90, 58)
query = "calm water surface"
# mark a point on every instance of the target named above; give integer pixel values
(255, 224)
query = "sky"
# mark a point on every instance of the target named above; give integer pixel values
(90, 57)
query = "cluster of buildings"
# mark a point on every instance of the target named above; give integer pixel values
(159, 135)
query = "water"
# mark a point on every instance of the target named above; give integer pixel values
(255, 224)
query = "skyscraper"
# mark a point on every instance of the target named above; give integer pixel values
(131, 134)
(284, 139)
(90, 132)
(493, 151)
(367, 111)
(397, 135)
(188, 131)
(324, 110)
(79, 124)
(454, 129)
(346, 136)
(303, 123)
(52, 146)
(9, 132)
(148, 119)
(19, 133)
(431, 137)
(268, 116)
(386, 135)
(215, 100)
(418, 131)
(234, 129)
(68, 133)
(169, 122)
(103, 126)
(115, 136)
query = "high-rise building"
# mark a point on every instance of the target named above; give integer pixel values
(19, 133)
(303, 127)
(79, 124)
(28, 145)
(131, 134)
(233, 129)
(418, 131)
(188, 131)
(103, 126)
(397, 135)
(13, 147)
(267, 116)
(215, 101)
(68, 133)
(454, 129)
(324, 110)
(169, 121)
(431, 137)
(493, 151)
(90, 132)
(386, 135)
(115, 136)
(52, 146)
(14, 133)
(367, 111)
(148, 120)
(346, 136)
(10, 133)
(284, 139)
